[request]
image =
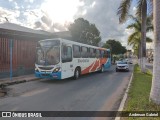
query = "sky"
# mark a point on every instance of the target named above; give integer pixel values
(57, 15)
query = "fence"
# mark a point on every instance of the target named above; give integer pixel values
(23, 56)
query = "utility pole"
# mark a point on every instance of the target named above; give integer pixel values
(11, 47)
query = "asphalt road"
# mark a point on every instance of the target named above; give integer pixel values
(92, 92)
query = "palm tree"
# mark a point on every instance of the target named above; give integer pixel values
(155, 89)
(134, 38)
(141, 13)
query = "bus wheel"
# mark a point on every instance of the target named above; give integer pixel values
(102, 69)
(76, 73)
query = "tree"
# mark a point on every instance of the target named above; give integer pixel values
(115, 46)
(135, 38)
(84, 32)
(141, 13)
(155, 89)
(106, 45)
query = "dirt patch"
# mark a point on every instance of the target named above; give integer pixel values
(3, 92)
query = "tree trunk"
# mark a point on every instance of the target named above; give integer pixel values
(138, 51)
(139, 55)
(143, 35)
(155, 89)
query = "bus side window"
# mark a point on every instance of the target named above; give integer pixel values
(105, 54)
(91, 52)
(66, 54)
(76, 51)
(94, 53)
(97, 53)
(84, 52)
(102, 54)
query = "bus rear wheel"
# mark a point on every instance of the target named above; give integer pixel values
(76, 73)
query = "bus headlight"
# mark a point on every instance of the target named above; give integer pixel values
(56, 69)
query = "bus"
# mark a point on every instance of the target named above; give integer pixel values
(60, 58)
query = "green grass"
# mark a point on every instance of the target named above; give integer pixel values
(138, 96)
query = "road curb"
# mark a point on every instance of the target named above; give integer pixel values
(2, 85)
(124, 97)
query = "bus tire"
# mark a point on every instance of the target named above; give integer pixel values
(102, 69)
(76, 73)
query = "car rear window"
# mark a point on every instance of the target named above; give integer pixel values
(122, 62)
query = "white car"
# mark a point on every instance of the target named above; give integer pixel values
(122, 66)
(118, 61)
(129, 61)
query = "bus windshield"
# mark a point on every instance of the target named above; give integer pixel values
(48, 52)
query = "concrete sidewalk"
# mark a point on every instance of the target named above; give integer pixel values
(15, 80)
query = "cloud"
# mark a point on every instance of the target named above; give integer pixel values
(46, 23)
(61, 10)
(16, 5)
(103, 14)
(30, 1)
(56, 15)
(30, 17)
(11, 15)
(93, 4)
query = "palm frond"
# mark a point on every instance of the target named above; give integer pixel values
(134, 43)
(149, 20)
(149, 24)
(134, 38)
(137, 20)
(148, 39)
(123, 10)
(134, 26)
(135, 46)
(139, 7)
(149, 29)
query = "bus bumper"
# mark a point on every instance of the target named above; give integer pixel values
(56, 75)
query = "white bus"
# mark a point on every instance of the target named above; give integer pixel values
(60, 58)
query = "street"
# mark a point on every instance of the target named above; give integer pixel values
(92, 92)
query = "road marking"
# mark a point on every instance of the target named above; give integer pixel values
(125, 97)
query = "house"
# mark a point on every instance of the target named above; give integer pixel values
(23, 47)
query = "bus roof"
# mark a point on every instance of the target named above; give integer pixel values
(76, 43)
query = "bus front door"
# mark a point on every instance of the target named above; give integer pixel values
(67, 65)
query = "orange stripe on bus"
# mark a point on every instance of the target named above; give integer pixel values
(86, 70)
